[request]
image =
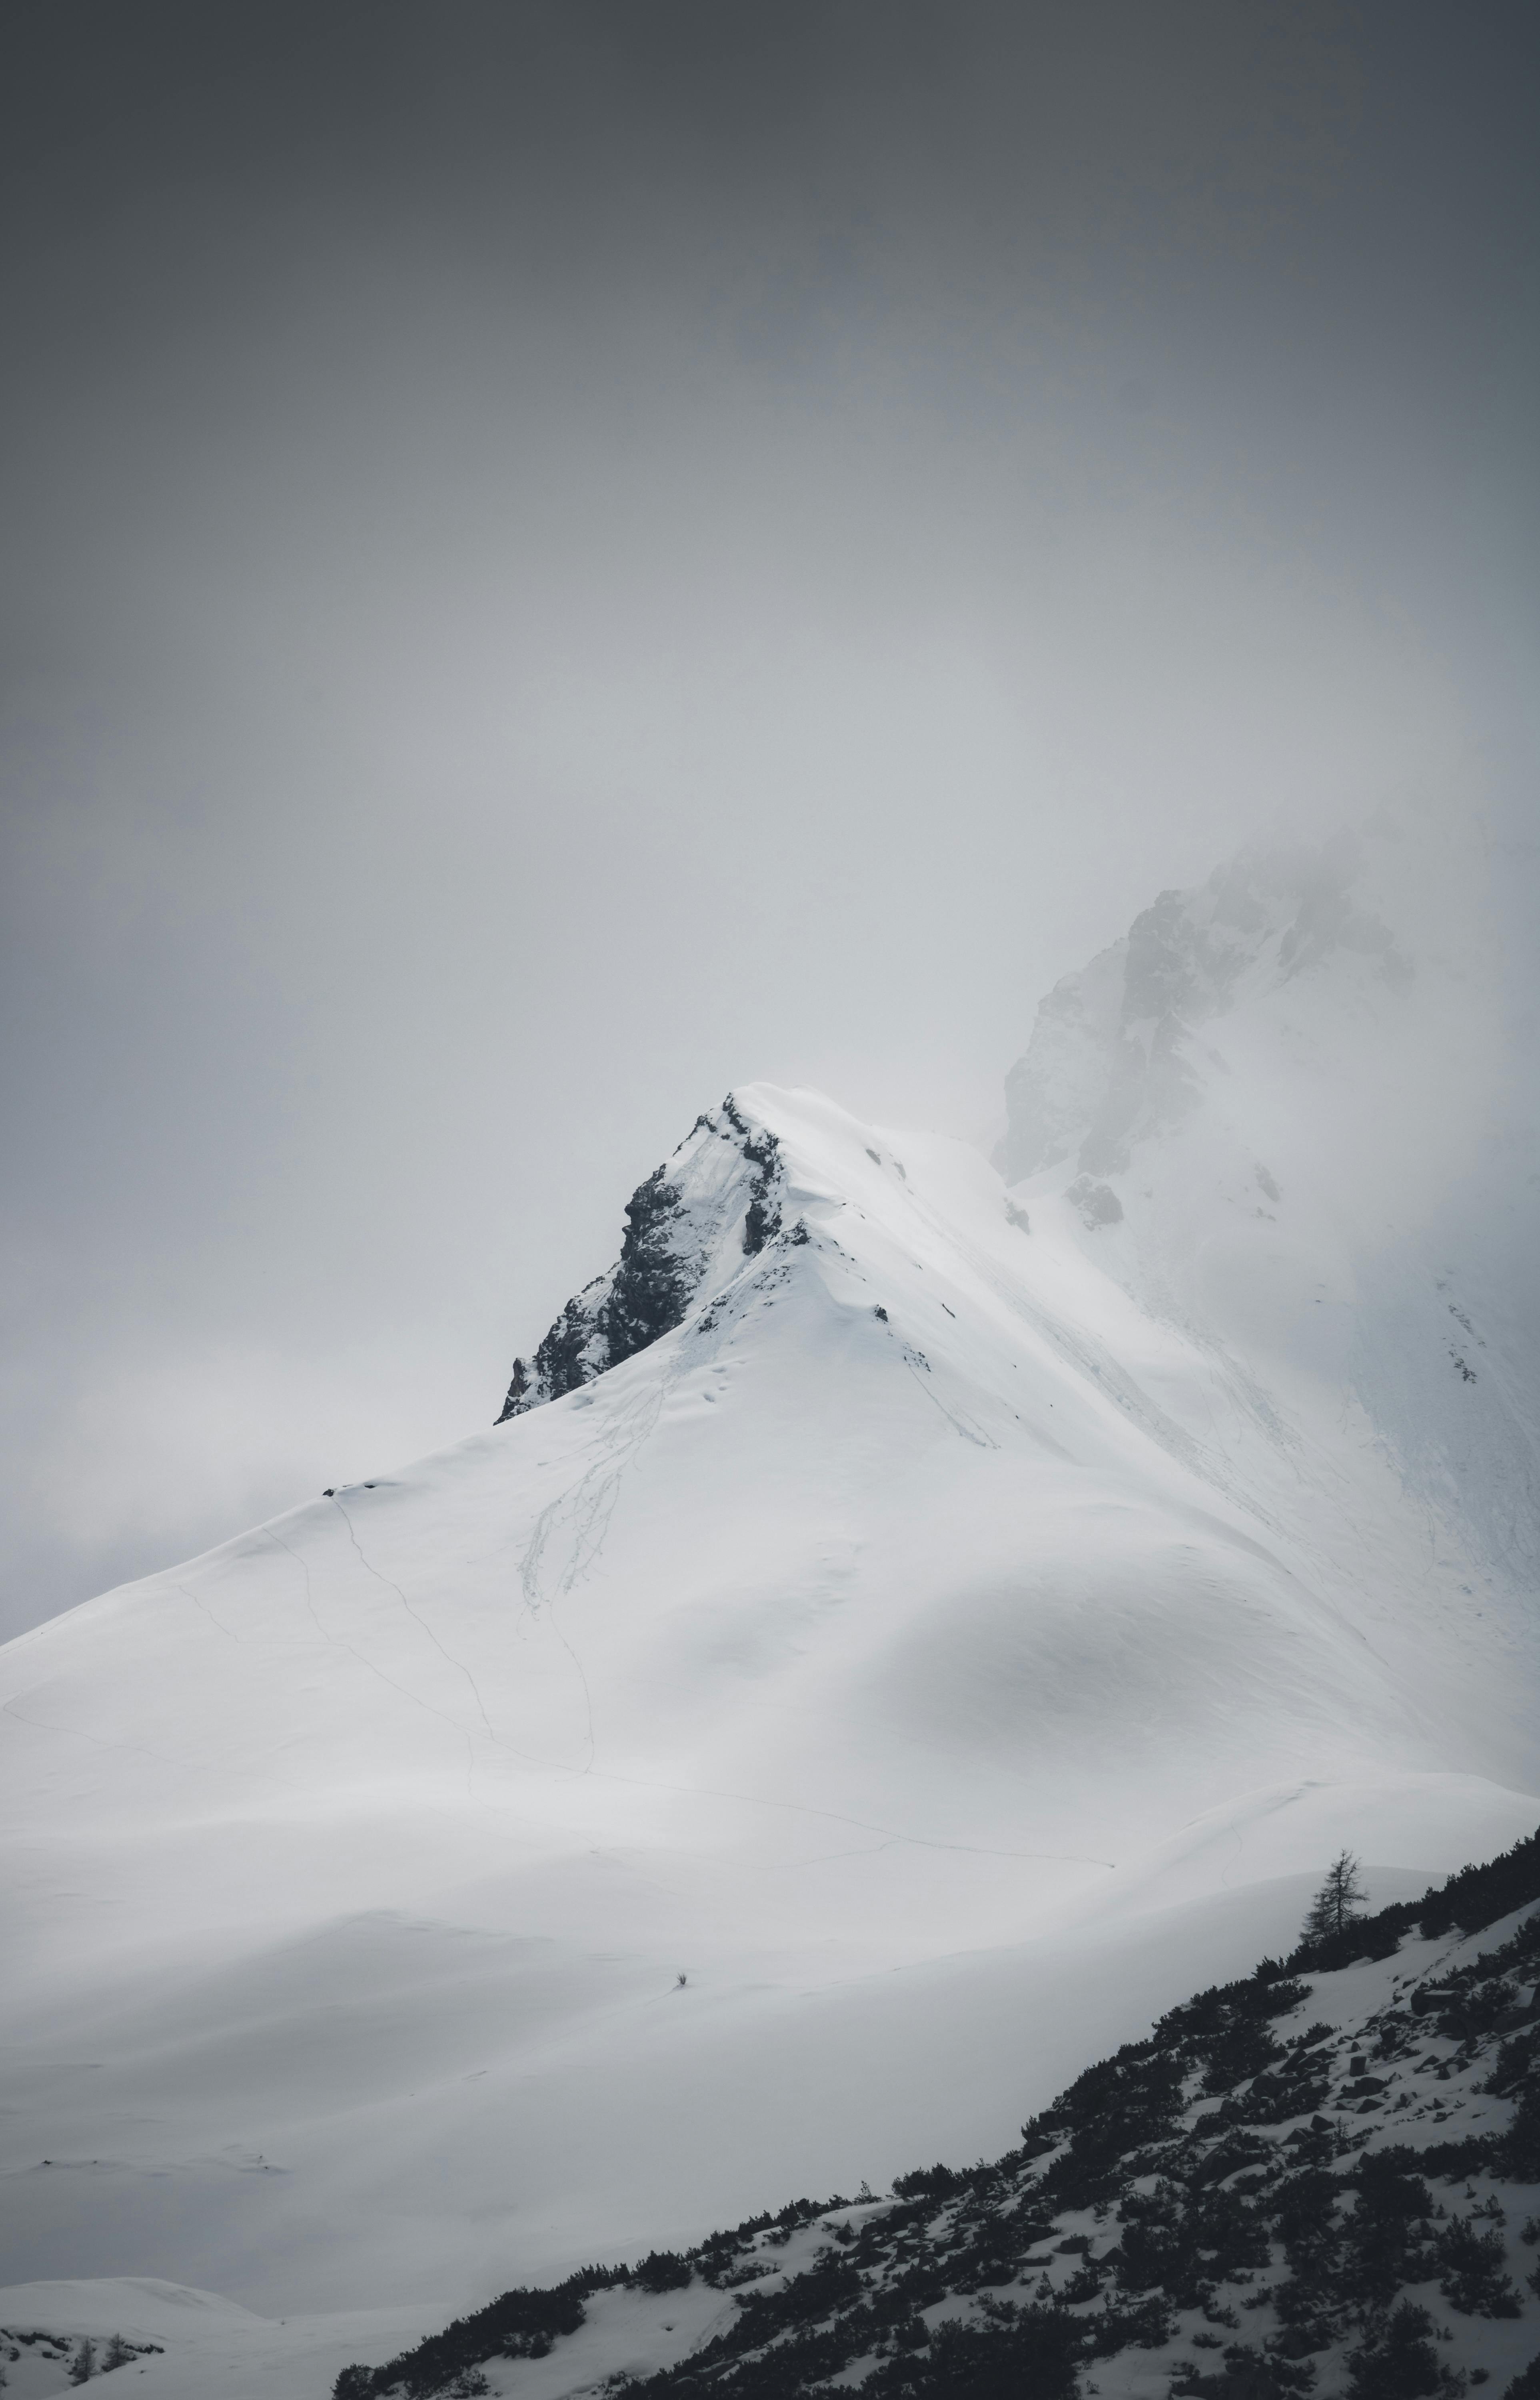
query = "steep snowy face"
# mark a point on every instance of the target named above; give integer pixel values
(689, 1227)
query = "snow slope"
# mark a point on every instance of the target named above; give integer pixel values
(191, 2341)
(931, 1618)
(1138, 2221)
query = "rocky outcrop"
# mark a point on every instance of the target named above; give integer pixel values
(688, 1225)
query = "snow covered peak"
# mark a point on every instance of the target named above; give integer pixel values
(1279, 1112)
(885, 1581)
(1111, 1058)
(689, 1227)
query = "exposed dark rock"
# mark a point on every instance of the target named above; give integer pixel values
(673, 1220)
(762, 1218)
(1097, 1203)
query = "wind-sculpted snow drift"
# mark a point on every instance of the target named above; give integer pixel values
(938, 1643)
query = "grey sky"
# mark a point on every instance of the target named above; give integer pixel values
(557, 558)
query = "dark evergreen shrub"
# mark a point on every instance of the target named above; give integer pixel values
(929, 2183)
(1515, 2064)
(1386, 2236)
(1244, 2049)
(1304, 2212)
(1479, 1896)
(662, 2270)
(1031, 2358)
(1153, 2243)
(1116, 2106)
(1517, 2152)
(1402, 2364)
(1474, 2279)
(1448, 2159)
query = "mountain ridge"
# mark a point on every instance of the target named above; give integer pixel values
(916, 1589)
(677, 1221)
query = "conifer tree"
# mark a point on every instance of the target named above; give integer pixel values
(1340, 1899)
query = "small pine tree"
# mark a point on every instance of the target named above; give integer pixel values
(1340, 1899)
(84, 2367)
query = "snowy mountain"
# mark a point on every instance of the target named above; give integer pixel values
(902, 1632)
(1323, 2174)
(1216, 2178)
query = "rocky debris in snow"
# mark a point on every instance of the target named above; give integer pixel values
(1097, 1203)
(1208, 2206)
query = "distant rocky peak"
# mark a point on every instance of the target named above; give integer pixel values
(689, 1227)
(1109, 1060)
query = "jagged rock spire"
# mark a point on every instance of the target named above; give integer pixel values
(716, 1200)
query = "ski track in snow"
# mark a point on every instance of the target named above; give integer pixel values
(335, 1641)
(203, 1607)
(448, 1657)
(98, 1740)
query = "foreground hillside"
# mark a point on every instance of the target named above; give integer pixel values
(1325, 2176)
(1321, 2179)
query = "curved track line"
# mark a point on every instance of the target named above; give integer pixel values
(336, 1641)
(446, 1655)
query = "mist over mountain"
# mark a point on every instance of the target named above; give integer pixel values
(770, 914)
(687, 1229)
(562, 558)
(1295, 1093)
(900, 1615)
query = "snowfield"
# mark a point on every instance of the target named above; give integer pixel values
(796, 1740)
